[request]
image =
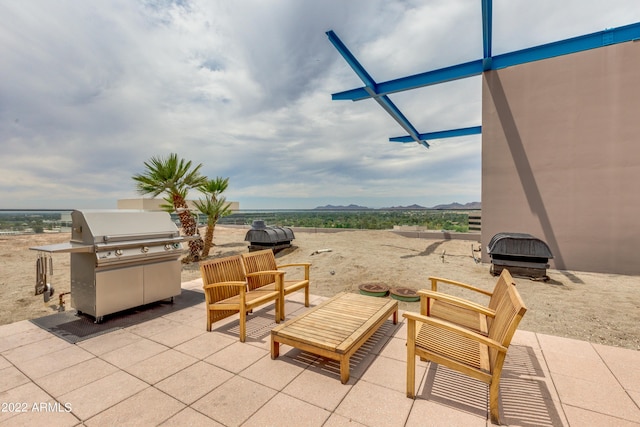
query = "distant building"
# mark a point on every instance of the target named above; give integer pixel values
(155, 204)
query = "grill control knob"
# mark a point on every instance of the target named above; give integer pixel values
(167, 247)
(176, 246)
(118, 252)
(144, 249)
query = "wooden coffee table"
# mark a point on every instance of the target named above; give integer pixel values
(336, 328)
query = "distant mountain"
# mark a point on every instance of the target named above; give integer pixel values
(456, 205)
(351, 207)
(411, 207)
(450, 206)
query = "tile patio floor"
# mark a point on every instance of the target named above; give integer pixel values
(169, 371)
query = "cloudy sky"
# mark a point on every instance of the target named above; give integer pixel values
(89, 90)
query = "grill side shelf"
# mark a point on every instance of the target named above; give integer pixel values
(64, 248)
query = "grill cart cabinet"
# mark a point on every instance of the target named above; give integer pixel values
(121, 259)
(102, 291)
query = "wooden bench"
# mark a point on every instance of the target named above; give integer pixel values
(335, 329)
(261, 269)
(226, 291)
(474, 354)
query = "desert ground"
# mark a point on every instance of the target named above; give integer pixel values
(600, 308)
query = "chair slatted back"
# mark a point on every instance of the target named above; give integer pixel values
(228, 269)
(499, 293)
(511, 308)
(263, 260)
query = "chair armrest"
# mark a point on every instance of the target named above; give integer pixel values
(218, 284)
(265, 272)
(242, 287)
(436, 280)
(442, 324)
(460, 302)
(297, 264)
(306, 266)
(279, 277)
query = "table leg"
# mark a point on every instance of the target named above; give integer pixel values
(344, 369)
(275, 348)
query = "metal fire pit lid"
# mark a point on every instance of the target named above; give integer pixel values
(518, 244)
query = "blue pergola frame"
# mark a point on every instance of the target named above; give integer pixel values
(380, 91)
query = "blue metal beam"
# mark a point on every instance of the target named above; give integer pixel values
(379, 91)
(371, 90)
(473, 68)
(474, 130)
(487, 29)
(456, 72)
(351, 60)
(568, 46)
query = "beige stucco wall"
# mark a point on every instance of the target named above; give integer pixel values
(561, 157)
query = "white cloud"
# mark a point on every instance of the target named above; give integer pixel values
(89, 91)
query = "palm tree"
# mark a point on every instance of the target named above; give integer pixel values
(214, 206)
(174, 177)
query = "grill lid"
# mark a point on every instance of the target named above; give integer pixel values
(132, 233)
(108, 226)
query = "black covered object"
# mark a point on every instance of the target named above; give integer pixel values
(262, 236)
(522, 254)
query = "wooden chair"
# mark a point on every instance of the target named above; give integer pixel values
(265, 262)
(464, 350)
(468, 314)
(225, 289)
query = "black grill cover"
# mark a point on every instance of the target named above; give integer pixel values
(262, 236)
(518, 244)
(522, 254)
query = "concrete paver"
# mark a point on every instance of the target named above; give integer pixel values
(169, 371)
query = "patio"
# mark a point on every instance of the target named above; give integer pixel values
(167, 370)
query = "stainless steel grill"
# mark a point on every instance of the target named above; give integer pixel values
(121, 259)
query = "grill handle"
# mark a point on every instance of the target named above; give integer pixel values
(142, 236)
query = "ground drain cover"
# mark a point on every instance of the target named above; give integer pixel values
(374, 289)
(404, 294)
